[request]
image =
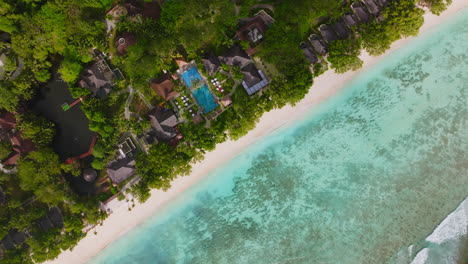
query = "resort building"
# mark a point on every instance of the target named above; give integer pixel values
(350, 20)
(254, 79)
(211, 64)
(327, 33)
(10, 65)
(317, 43)
(309, 53)
(164, 122)
(121, 169)
(360, 12)
(53, 219)
(235, 56)
(12, 240)
(98, 78)
(21, 147)
(340, 29)
(127, 146)
(253, 29)
(373, 8)
(123, 41)
(164, 87)
(133, 13)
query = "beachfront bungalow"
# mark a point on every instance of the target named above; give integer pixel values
(123, 41)
(164, 122)
(211, 64)
(121, 169)
(373, 8)
(350, 20)
(327, 33)
(341, 31)
(12, 240)
(318, 44)
(309, 53)
(360, 12)
(53, 219)
(164, 87)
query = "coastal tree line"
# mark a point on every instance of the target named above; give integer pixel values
(59, 34)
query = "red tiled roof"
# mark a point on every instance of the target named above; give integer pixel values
(164, 87)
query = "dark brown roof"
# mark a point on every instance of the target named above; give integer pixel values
(309, 54)
(53, 219)
(211, 64)
(163, 86)
(151, 10)
(327, 33)
(318, 44)
(372, 6)
(124, 41)
(235, 56)
(253, 31)
(21, 147)
(350, 20)
(341, 30)
(359, 10)
(7, 121)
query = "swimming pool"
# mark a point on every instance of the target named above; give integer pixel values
(190, 75)
(205, 99)
(202, 95)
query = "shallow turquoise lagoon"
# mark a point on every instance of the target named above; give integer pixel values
(371, 172)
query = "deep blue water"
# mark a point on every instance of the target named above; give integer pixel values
(371, 172)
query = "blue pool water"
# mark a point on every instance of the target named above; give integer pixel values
(205, 99)
(190, 75)
(371, 172)
(203, 96)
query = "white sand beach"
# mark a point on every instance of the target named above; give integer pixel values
(325, 86)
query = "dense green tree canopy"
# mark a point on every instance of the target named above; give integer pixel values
(35, 127)
(344, 55)
(40, 172)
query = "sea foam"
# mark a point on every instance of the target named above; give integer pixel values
(445, 243)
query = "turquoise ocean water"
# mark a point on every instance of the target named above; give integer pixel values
(371, 172)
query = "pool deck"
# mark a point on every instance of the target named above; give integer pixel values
(203, 96)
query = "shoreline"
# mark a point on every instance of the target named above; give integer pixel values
(325, 87)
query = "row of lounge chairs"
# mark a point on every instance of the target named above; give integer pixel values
(362, 12)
